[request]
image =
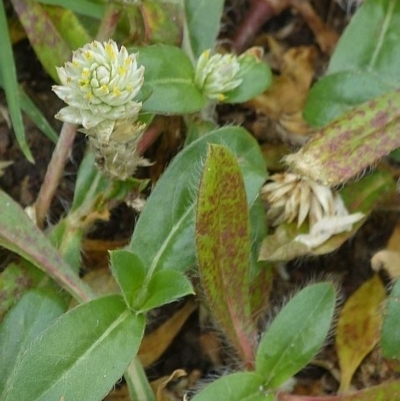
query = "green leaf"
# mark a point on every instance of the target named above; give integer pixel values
(256, 78)
(30, 108)
(8, 80)
(19, 234)
(165, 286)
(84, 7)
(388, 391)
(223, 248)
(296, 334)
(69, 27)
(169, 80)
(363, 65)
(203, 24)
(243, 386)
(80, 356)
(163, 21)
(49, 46)
(347, 146)
(346, 90)
(164, 234)
(31, 315)
(390, 337)
(371, 40)
(130, 274)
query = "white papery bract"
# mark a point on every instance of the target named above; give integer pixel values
(293, 198)
(217, 74)
(99, 86)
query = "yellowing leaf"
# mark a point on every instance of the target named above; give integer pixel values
(358, 328)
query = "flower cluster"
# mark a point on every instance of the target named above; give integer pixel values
(293, 198)
(99, 86)
(217, 74)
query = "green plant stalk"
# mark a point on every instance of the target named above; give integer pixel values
(138, 385)
(346, 147)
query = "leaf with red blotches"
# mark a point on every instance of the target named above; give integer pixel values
(358, 328)
(223, 248)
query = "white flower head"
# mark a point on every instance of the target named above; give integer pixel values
(99, 85)
(217, 74)
(291, 197)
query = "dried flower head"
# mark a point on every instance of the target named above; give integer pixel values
(217, 74)
(291, 197)
(116, 154)
(99, 85)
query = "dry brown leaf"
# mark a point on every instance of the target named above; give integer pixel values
(178, 378)
(358, 328)
(283, 102)
(95, 251)
(155, 343)
(389, 258)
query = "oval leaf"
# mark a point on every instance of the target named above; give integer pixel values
(169, 79)
(223, 248)
(30, 316)
(243, 386)
(296, 334)
(363, 65)
(202, 25)
(80, 356)
(166, 286)
(358, 328)
(256, 78)
(130, 275)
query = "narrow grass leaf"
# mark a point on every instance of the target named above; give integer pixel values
(30, 108)
(296, 334)
(223, 248)
(30, 316)
(358, 328)
(80, 356)
(8, 79)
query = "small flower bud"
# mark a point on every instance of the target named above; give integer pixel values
(217, 74)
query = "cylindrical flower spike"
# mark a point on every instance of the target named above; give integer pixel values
(99, 85)
(217, 74)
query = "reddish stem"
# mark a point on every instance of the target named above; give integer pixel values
(259, 13)
(54, 172)
(149, 137)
